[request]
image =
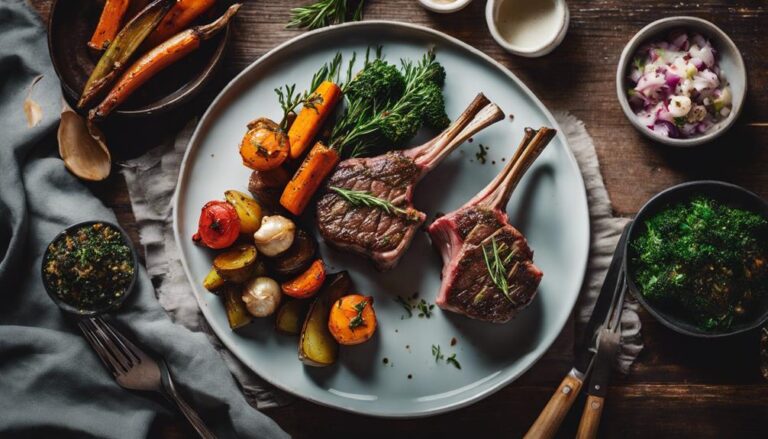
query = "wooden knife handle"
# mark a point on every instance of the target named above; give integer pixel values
(552, 416)
(590, 419)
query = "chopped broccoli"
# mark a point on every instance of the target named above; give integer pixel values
(378, 82)
(433, 108)
(704, 260)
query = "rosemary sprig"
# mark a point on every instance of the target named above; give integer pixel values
(406, 305)
(496, 265)
(290, 100)
(358, 320)
(362, 198)
(324, 13)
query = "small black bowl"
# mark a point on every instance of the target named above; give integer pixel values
(70, 26)
(726, 193)
(91, 312)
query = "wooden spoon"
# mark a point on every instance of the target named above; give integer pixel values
(82, 147)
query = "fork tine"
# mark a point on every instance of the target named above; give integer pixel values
(119, 358)
(95, 345)
(102, 352)
(125, 346)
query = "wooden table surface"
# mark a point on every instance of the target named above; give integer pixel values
(679, 387)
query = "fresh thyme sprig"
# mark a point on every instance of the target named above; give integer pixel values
(425, 309)
(406, 305)
(362, 198)
(324, 13)
(496, 265)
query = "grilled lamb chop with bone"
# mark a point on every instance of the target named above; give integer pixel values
(488, 271)
(383, 235)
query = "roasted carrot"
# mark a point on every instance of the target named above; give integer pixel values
(311, 119)
(109, 23)
(177, 19)
(306, 284)
(123, 47)
(316, 166)
(158, 59)
(352, 319)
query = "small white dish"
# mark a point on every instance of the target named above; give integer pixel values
(444, 6)
(730, 61)
(529, 28)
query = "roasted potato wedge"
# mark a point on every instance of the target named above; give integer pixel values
(248, 210)
(298, 256)
(317, 347)
(290, 316)
(236, 264)
(237, 314)
(213, 282)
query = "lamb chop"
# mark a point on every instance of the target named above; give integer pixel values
(488, 271)
(383, 234)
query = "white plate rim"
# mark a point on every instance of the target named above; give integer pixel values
(192, 145)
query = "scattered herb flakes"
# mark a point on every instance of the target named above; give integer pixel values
(470, 140)
(452, 360)
(482, 154)
(454, 341)
(406, 306)
(385, 360)
(425, 309)
(511, 117)
(410, 376)
(436, 353)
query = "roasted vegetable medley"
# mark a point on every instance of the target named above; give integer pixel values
(704, 261)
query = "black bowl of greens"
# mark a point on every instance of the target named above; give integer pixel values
(697, 259)
(90, 268)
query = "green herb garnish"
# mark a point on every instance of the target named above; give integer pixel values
(680, 121)
(425, 309)
(482, 154)
(703, 260)
(358, 320)
(362, 198)
(406, 306)
(324, 13)
(452, 360)
(496, 264)
(436, 353)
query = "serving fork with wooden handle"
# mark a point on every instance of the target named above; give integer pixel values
(133, 369)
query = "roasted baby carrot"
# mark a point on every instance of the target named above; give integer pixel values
(311, 119)
(158, 59)
(110, 21)
(316, 166)
(122, 48)
(306, 284)
(177, 19)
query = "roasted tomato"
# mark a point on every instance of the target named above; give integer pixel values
(219, 225)
(264, 147)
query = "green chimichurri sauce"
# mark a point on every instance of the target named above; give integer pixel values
(89, 268)
(704, 261)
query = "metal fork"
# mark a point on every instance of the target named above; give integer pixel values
(134, 369)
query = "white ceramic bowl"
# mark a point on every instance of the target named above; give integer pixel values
(558, 31)
(444, 8)
(729, 59)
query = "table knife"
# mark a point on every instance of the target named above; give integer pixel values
(549, 420)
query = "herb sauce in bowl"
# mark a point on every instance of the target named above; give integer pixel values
(89, 268)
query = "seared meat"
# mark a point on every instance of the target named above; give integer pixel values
(373, 232)
(470, 238)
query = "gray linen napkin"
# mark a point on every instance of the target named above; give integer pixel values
(51, 382)
(151, 180)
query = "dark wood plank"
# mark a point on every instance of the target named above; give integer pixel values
(679, 387)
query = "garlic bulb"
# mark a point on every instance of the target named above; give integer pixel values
(261, 296)
(275, 235)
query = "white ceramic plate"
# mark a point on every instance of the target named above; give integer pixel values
(549, 206)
